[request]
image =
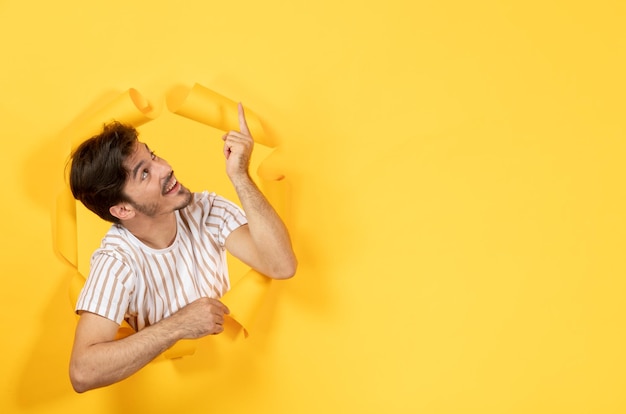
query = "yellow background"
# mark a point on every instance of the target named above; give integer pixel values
(457, 202)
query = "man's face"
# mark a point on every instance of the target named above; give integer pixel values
(151, 184)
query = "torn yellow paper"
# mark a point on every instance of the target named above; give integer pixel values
(210, 108)
(129, 107)
(246, 297)
(184, 347)
(65, 228)
(270, 170)
(76, 284)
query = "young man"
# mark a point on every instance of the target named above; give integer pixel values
(162, 265)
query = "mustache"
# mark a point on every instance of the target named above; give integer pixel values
(167, 182)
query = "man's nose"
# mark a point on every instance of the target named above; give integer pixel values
(163, 167)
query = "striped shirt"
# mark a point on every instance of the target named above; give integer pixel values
(131, 281)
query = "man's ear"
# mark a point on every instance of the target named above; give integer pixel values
(122, 211)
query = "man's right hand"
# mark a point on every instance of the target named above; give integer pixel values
(202, 317)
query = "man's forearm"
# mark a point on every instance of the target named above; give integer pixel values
(97, 360)
(106, 363)
(268, 232)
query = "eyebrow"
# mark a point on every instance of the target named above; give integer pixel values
(139, 164)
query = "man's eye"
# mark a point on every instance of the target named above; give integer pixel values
(144, 174)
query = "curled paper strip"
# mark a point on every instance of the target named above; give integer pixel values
(65, 236)
(130, 107)
(246, 297)
(79, 231)
(270, 171)
(210, 108)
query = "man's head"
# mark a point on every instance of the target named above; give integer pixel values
(98, 174)
(119, 178)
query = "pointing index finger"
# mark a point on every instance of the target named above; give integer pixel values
(243, 125)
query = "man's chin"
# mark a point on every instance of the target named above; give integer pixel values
(184, 191)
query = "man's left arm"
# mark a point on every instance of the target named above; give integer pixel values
(263, 243)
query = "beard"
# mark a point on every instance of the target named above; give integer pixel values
(152, 209)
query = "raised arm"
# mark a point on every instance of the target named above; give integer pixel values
(264, 243)
(99, 360)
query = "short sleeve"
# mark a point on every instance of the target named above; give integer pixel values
(107, 289)
(223, 217)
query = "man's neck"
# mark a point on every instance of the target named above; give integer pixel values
(155, 232)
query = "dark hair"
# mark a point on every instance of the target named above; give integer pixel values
(97, 174)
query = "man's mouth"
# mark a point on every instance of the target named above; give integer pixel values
(171, 185)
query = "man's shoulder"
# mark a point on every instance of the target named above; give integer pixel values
(118, 243)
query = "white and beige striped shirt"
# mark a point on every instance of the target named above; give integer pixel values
(129, 280)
